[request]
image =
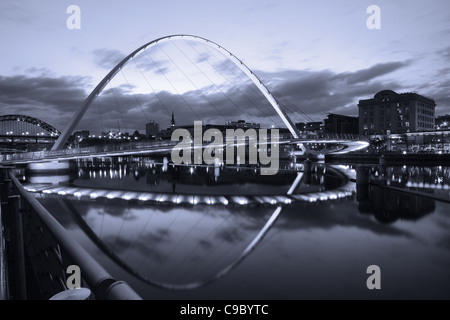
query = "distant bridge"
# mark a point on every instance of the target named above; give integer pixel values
(19, 132)
(22, 125)
(163, 147)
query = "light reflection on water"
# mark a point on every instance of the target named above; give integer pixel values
(314, 250)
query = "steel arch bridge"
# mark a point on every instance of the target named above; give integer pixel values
(59, 144)
(17, 124)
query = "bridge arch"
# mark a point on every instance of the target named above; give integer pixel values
(30, 120)
(259, 84)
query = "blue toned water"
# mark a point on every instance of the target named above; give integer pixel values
(183, 232)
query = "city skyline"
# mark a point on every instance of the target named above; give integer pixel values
(322, 57)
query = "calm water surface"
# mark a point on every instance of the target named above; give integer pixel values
(319, 247)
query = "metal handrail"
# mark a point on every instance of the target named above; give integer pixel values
(3, 267)
(102, 284)
(128, 146)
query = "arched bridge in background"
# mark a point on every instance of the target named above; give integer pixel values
(18, 124)
(58, 152)
(20, 133)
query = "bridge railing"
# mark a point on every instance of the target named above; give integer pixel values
(342, 136)
(92, 150)
(145, 145)
(50, 250)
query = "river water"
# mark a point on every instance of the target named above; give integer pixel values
(231, 233)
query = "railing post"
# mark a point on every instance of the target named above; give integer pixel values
(307, 167)
(5, 187)
(17, 247)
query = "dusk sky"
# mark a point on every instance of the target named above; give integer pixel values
(319, 55)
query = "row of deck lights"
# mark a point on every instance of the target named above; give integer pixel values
(52, 134)
(196, 199)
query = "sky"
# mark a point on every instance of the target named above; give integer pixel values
(319, 57)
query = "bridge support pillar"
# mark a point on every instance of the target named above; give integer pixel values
(362, 184)
(5, 186)
(382, 160)
(307, 170)
(382, 163)
(17, 252)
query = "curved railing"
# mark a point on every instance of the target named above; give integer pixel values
(51, 249)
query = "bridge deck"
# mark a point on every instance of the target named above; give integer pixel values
(136, 148)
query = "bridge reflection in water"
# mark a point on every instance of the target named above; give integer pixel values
(129, 210)
(180, 226)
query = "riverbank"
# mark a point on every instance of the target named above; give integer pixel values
(390, 158)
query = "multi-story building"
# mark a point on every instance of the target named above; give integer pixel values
(390, 112)
(314, 127)
(337, 123)
(242, 124)
(151, 129)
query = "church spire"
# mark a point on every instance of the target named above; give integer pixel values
(173, 120)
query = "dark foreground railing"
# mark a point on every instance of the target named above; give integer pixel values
(41, 250)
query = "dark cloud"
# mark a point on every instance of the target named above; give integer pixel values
(231, 235)
(51, 99)
(121, 245)
(444, 53)
(318, 93)
(203, 57)
(107, 58)
(304, 94)
(373, 72)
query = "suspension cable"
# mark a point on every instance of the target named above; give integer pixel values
(135, 97)
(170, 82)
(190, 80)
(250, 85)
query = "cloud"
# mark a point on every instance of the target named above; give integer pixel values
(371, 73)
(445, 53)
(107, 58)
(317, 93)
(305, 95)
(51, 99)
(16, 13)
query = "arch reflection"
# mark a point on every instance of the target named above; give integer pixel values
(182, 244)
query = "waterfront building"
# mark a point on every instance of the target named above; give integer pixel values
(242, 124)
(390, 112)
(151, 129)
(313, 127)
(337, 123)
